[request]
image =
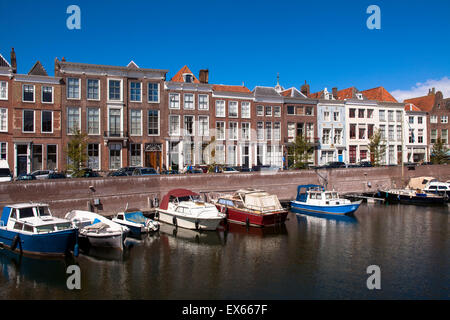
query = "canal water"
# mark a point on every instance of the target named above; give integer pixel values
(307, 258)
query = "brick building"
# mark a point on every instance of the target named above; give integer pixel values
(6, 145)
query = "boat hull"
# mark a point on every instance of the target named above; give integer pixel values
(336, 210)
(253, 219)
(51, 244)
(188, 222)
(113, 240)
(415, 200)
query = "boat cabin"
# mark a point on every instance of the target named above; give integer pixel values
(315, 194)
(253, 200)
(32, 218)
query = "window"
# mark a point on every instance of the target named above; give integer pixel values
(260, 110)
(73, 88)
(189, 101)
(268, 111)
(153, 92)
(326, 116)
(260, 130)
(433, 135)
(115, 92)
(351, 113)
(135, 154)
(153, 122)
(188, 78)
(269, 130)
(245, 132)
(383, 132)
(361, 113)
(93, 89)
(220, 130)
(444, 119)
(93, 120)
(390, 115)
(362, 155)
(47, 94)
(73, 120)
(3, 90)
(419, 120)
(36, 161)
(233, 109)
(28, 93)
(115, 156)
(220, 154)
(203, 126)
(277, 111)
(47, 121)
(291, 129)
(336, 116)
(326, 136)
(188, 125)
(433, 119)
(3, 120)
(174, 101)
(411, 120)
(308, 111)
(369, 113)
(135, 92)
(203, 102)
(93, 156)
(362, 133)
(28, 121)
(290, 110)
(220, 108)
(382, 115)
(370, 130)
(52, 162)
(276, 130)
(420, 136)
(245, 109)
(444, 136)
(135, 122)
(399, 133)
(231, 155)
(337, 136)
(233, 132)
(300, 127)
(174, 125)
(352, 131)
(352, 154)
(3, 150)
(391, 133)
(399, 116)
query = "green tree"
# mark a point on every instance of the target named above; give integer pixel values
(299, 152)
(377, 148)
(76, 152)
(439, 152)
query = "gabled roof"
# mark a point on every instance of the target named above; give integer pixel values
(316, 95)
(226, 88)
(378, 94)
(411, 107)
(265, 91)
(4, 62)
(37, 70)
(425, 103)
(293, 93)
(348, 93)
(178, 77)
(132, 64)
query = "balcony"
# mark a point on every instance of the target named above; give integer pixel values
(115, 135)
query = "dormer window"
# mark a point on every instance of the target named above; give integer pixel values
(188, 78)
(359, 96)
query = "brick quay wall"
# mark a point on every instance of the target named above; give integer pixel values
(114, 193)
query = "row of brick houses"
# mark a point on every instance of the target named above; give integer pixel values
(136, 117)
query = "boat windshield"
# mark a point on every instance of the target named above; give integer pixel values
(63, 226)
(335, 195)
(26, 213)
(44, 211)
(136, 217)
(45, 229)
(328, 196)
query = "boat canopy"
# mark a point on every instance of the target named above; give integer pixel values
(302, 197)
(136, 217)
(419, 182)
(175, 193)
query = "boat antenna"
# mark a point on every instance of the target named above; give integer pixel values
(126, 207)
(325, 180)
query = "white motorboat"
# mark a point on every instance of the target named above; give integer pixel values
(135, 220)
(184, 208)
(98, 230)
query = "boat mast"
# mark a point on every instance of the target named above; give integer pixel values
(323, 178)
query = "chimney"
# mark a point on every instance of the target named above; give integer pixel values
(334, 91)
(431, 91)
(13, 61)
(203, 76)
(305, 89)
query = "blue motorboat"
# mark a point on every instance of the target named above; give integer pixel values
(315, 200)
(29, 228)
(135, 220)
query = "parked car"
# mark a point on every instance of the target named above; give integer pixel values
(128, 170)
(336, 164)
(117, 173)
(144, 172)
(365, 164)
(195, 170)
(41, 174)
(56, 175)
(25, 177)
(170, 172)
(85, 173)
(5, 173)
(229, 170)
(243, 169)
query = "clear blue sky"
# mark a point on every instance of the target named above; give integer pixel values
(326, 43)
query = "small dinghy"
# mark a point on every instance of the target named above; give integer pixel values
(135, 220)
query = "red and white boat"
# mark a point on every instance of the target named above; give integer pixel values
(251, 207)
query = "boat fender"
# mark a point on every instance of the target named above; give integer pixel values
(15, 242)
(157, 214)
(196, 224)
(247, 222)
(174, 221)
(156, 202)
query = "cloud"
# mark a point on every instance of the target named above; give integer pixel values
(421, 89)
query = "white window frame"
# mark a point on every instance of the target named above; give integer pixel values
(207, 101)
(325, 117)
(87, 89)
(268, 114)
(276, 130)
(121, 89)
(202, 133)
(6, 149)
(177, 106)
(262, 130)
(244, 137)
(275, 112)
(148, 92)
(34, 93)
(6, 122)
(23, 121)
(6, 90)
(42, 94)
(42, 118)
(177, 133)
(99, 155)
(444, 118)
(185, 132)
(79, 119)
(221, 138)
(193, 101)
(141, 154)
(99, 121)
(141, 127)
(79, 89)
(245, 105)
(433, 119)
(233, 130)
(159, 124)
(221, 115)
(141, 92)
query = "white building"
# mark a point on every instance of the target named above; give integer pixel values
(415, 134)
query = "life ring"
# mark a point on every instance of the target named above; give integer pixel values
(15, 242)
(174, 221)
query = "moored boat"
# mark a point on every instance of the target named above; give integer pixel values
(135, 220)
(251, 207)
(315, 200)
(99, 231)
(184, 208)
(407, 196)
(30, 228)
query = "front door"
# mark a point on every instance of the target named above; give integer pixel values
(153, 159)
(22, 159)
(340, 157)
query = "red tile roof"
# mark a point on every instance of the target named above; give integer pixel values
(178, 77)
(345, 93)
(286, 93)
(411, 107)
(425, 103)
(226, 88)
(378, 94)
(315, 95)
